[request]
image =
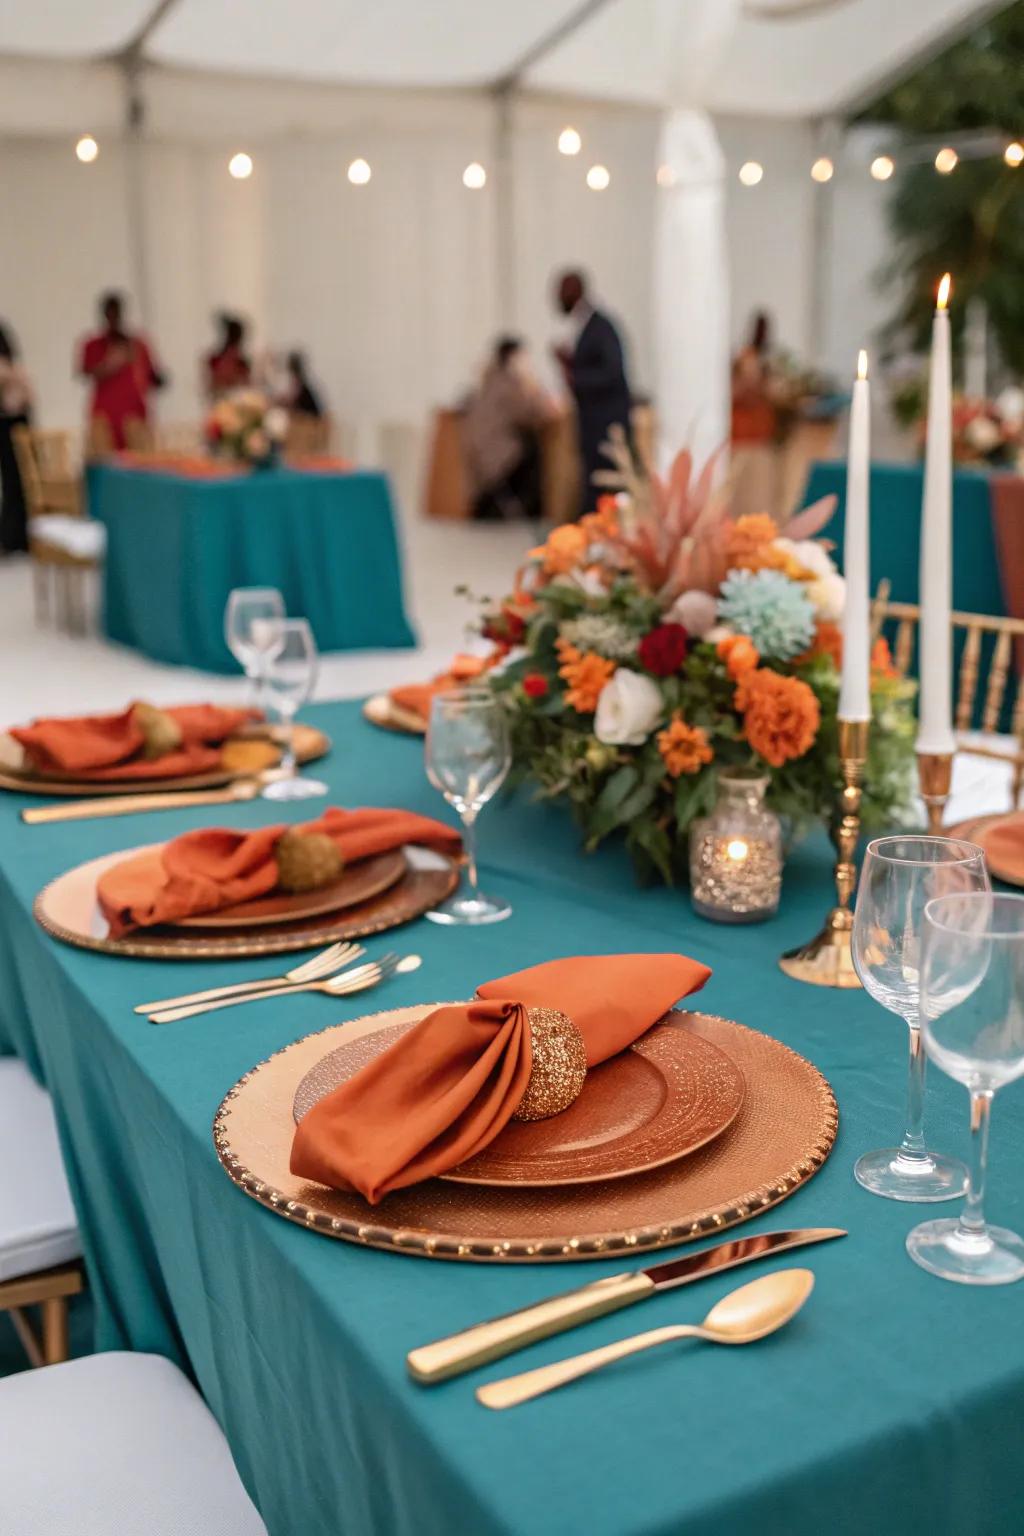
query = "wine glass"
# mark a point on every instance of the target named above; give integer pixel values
(898, 877)
(972, 1017)
(290, 669)
(245, 616)
(468, 755)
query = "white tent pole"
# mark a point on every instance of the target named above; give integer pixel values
(828, 142)
(504, 205)
(135, 192)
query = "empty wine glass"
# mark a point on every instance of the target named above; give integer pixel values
(290, 669)
(246, 633)
(467, 756)
(972, 1016)
(898, 877)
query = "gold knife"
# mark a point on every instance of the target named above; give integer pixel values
(503, 1335)
(126, 805)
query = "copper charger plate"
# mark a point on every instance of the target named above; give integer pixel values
(669, 1094)
(781, 1137)
(975, 830)
(67, 909)
(380, 709)
(310, 744)
(360, 881)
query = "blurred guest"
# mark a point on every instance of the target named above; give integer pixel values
(501, 436)
(299, 396)
(753, 409)
(122, 369)
(594, 366)
(228, 367)
(16, 400)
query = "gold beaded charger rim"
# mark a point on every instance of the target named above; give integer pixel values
(783, 1134)
(381, 710)
(67, 910)
(311, 744)
(973, 831)
(669, 1094)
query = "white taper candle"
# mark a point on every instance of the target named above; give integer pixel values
(855, 685)
(935, 731)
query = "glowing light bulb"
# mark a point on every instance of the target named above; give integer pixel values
(751, 172)
(598, 178)
(474, 176)
(569, 142)
(87, 149)
(359, 173)
(666, 177)
(822, 170)
(737, 848)
(1013, 154)
(882, 167)
(946, 161)
(240, 166)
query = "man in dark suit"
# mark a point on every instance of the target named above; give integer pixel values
(595, 371)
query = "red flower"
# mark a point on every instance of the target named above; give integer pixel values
(664, 649)
(535, 685)
(506, 626)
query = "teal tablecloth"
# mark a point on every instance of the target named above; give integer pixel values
(892, 1404)
(176, 545)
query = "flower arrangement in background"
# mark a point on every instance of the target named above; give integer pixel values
(245, 427)
(659, 640)
(984, 431)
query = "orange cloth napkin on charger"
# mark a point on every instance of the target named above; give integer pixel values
(445, 1089)
(212, 868)
(416, 697)
(104, 747)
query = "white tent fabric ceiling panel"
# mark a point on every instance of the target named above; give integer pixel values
(69, 28)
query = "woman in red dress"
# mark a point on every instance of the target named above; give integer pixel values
(227, 366)
(122, 369)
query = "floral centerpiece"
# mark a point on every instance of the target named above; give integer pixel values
(244, 426)
(658, 640)
(985, 432)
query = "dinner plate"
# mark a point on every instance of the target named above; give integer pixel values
(360, 881)
(668, 1094)
(310, 744)
(1006, 864)
(380, 709)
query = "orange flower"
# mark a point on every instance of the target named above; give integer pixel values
(749, 541)
(586, 674)
(604, 523)
(565, 548)
(828, 641)
(881, 659)
(780, 715)
(739, 653)
(684, 748)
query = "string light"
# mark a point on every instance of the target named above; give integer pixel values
(474, 176)
(87, 149)
(665, 176)
(751, 172)
(598, 178)
(946, 160)
(569, 142)
(822, 170)
(359, 173)
(240, 166)
(882, 167)
(1013, 154)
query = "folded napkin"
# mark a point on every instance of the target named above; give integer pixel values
(448, 1086)
(106, 747)
(212, 868)
(1003, 843)
(416, 697)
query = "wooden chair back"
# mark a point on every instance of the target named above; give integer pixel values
(307, 434)
(184, 437)
(49, 476)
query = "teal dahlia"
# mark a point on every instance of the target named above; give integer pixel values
(775, 612)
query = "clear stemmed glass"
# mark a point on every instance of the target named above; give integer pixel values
(972, 1016)
(245, 627)
(468, 755)
(290, 669)
(898, 877)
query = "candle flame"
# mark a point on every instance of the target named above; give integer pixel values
(862, 364)
(943, 298)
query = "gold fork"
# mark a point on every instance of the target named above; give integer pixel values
(359, 980)
(328, 960)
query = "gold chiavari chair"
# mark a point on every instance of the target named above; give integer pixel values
(61, 560)
(307, 434)
(184, 437)
(983, 679)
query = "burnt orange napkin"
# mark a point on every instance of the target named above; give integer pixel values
(416, 697)
(212, 868)
(105, 747)
(1003, 844)
(445, 1089)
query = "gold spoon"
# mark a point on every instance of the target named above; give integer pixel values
(748, 1313)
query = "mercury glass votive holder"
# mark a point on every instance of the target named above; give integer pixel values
(736, 854)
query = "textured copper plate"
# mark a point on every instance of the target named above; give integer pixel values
(780, 1138)
(977, 829)
(310, 744)
(67, 909)
(363, 879)
(669, 1094)
(380, 709)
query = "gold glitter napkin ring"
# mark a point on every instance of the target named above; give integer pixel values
(559, 1065)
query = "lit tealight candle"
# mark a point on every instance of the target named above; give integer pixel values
(935, 731)
(737, 849)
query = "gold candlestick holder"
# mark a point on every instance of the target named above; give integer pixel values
(935, 775)
(827, 960)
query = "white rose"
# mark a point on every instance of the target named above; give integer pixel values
(275, 424)
(628, 709)
(814, 557)
(1010, 404)
(983, 434)
(828, 594)
(696, 611)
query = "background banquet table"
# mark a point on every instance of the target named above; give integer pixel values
(178, 543)
(891, 1403)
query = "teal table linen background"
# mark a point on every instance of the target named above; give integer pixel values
(891, 1404)
(177, 544)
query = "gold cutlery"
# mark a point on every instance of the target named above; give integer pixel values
(500, 1336)
(359, 980)
(126, 805)
(323, 964)
(752, 1312)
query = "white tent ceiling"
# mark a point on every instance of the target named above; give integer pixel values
(786, 57)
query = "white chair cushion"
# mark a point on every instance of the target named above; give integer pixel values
(77, 536)
(115, 1445)
(37, 1220)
